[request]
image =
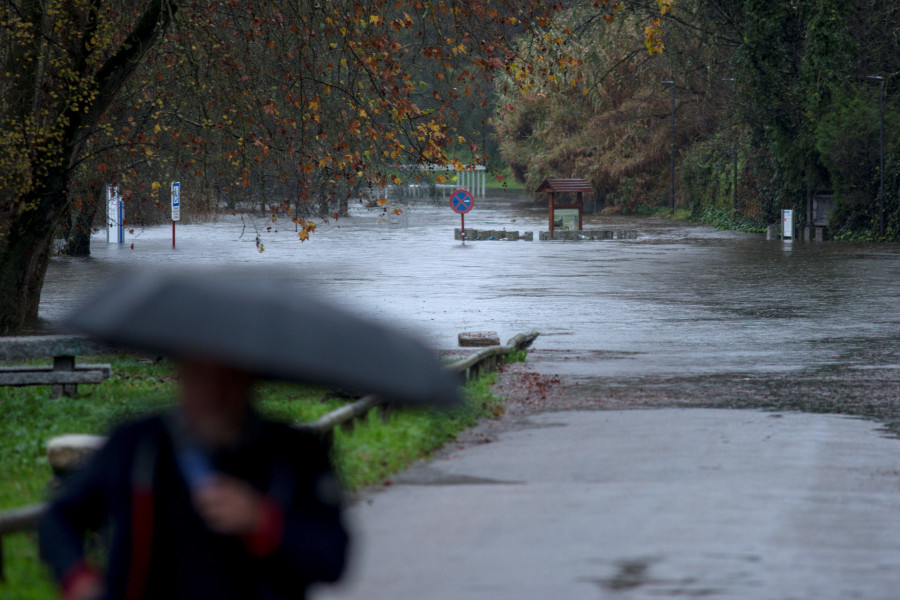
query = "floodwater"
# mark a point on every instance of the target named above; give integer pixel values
(681, 300)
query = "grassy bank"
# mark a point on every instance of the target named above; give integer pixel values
(377, 446)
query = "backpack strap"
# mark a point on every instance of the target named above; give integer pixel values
(143, 471)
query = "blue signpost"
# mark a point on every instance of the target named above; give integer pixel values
(461, 201)
(176, 207)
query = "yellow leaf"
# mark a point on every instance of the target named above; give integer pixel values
(155, 185)
(664, 6)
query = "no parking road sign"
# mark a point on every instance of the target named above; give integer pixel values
(461, 201)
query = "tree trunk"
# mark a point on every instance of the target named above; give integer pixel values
(78, 232)
(25, 256)
(30, 215)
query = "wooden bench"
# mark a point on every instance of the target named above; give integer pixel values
(64, 375)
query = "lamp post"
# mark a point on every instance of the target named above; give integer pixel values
(672, 152)
(881, 154)
(734, 154)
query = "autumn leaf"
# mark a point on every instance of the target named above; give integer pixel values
(653, 37)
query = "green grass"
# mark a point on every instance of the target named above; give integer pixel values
(379, 445)
(509, 182)
(516, 356)
(386, 442)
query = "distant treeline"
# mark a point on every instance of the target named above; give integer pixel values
(791, 88)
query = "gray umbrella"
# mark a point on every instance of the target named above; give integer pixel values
(269, 327)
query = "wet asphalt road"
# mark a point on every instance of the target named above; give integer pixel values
(666, 503)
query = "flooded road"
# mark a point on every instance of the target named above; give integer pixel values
(630, 504)
(679, 301)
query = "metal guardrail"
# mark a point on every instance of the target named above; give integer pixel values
(483, 361)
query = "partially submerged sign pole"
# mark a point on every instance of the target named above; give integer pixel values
(115, 213)
(461, 201)
(787, 224)
(176, 207)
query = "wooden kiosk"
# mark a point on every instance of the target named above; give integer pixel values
(553, 187)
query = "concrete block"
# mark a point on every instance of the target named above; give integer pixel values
(67, 453)
(772, 232)
(820, 234)
(512, 236)
(470, 339)
(528, 236)
(457, 234)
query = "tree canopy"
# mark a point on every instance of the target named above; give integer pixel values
(309, 101)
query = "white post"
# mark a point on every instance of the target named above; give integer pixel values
(121, 206)
(787, 224)
(114, 226)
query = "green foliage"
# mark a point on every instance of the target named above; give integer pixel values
(847, 138)
(808, 105)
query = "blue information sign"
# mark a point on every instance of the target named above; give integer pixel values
(461, 201)
(176, 201)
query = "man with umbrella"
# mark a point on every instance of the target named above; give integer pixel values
(211, 500)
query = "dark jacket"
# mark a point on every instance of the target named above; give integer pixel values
(156, 541)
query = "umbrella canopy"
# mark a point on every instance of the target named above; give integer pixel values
(265, 326)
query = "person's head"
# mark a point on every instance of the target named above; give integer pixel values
(215, 399)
